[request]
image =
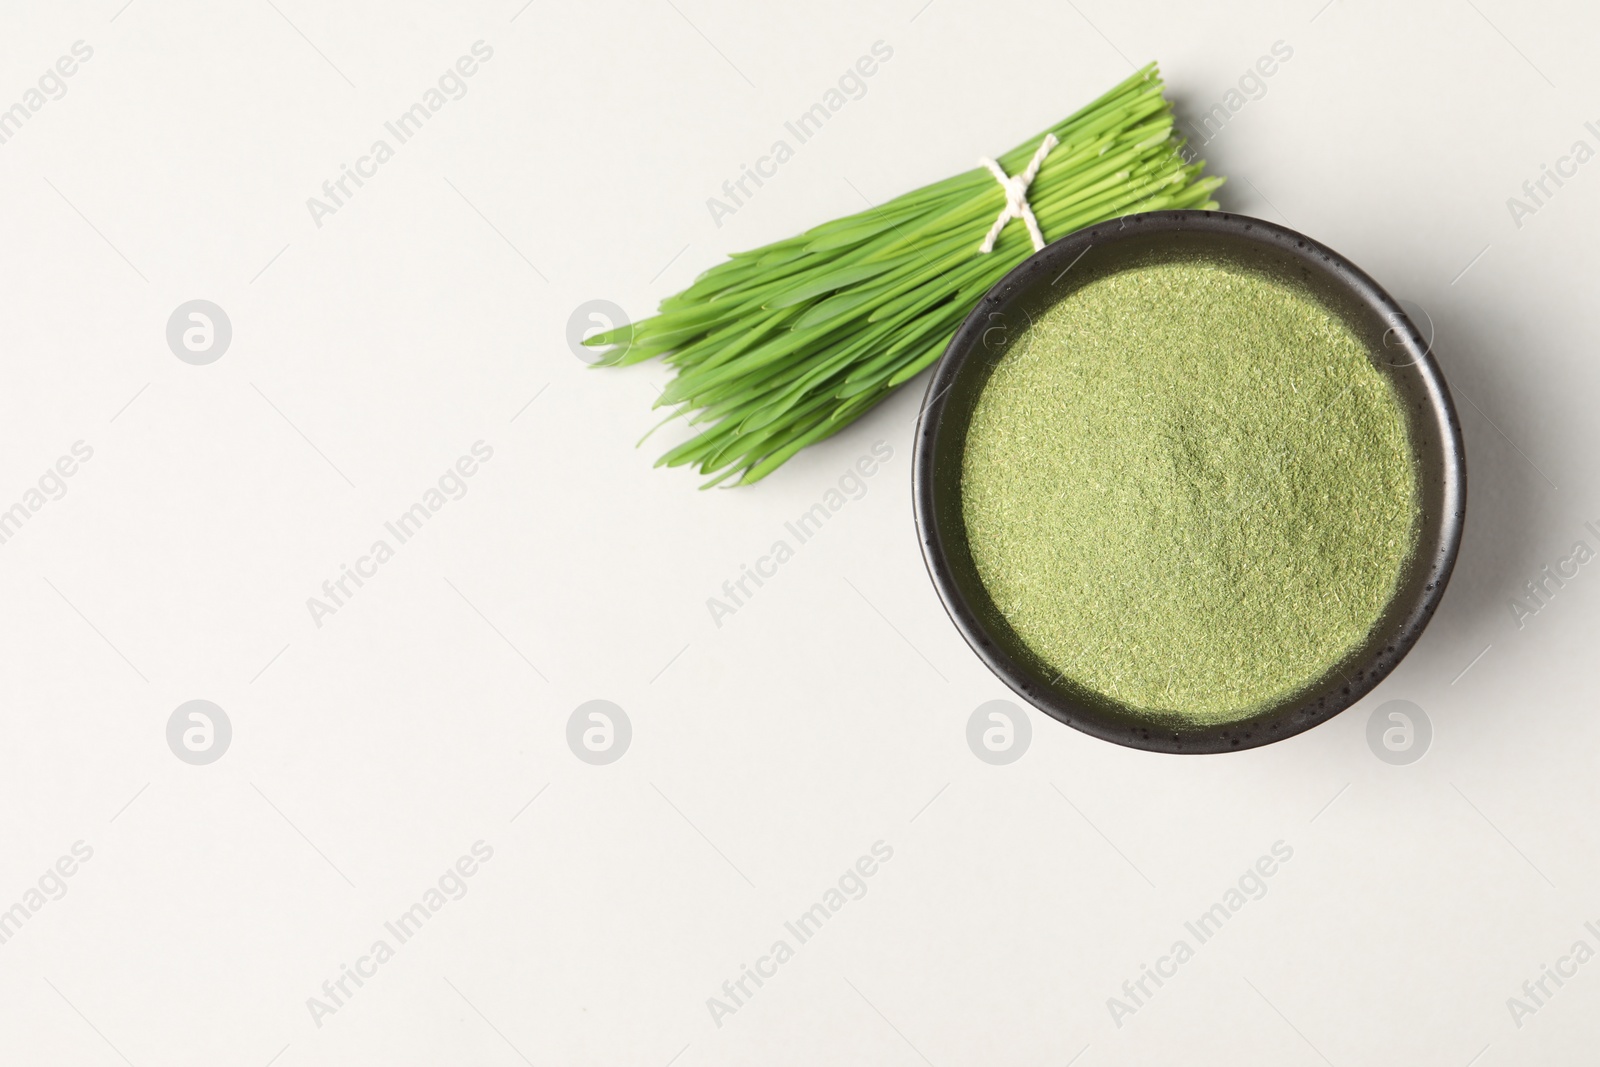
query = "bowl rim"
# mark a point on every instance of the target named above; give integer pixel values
(1291, 716)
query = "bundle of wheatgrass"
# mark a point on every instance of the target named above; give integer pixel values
(782, 346)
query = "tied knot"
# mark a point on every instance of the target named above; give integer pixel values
(1016, 187)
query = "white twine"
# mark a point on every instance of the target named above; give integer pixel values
(1017, 196)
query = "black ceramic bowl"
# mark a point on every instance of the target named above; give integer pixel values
(1399, 351)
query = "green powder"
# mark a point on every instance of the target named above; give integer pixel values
(1188, 489)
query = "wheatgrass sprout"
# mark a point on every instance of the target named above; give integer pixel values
(782, 346)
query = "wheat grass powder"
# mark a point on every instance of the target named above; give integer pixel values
(1189, 490)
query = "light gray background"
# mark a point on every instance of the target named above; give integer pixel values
(830, 712)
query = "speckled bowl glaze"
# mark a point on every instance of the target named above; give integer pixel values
(1399, 351)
